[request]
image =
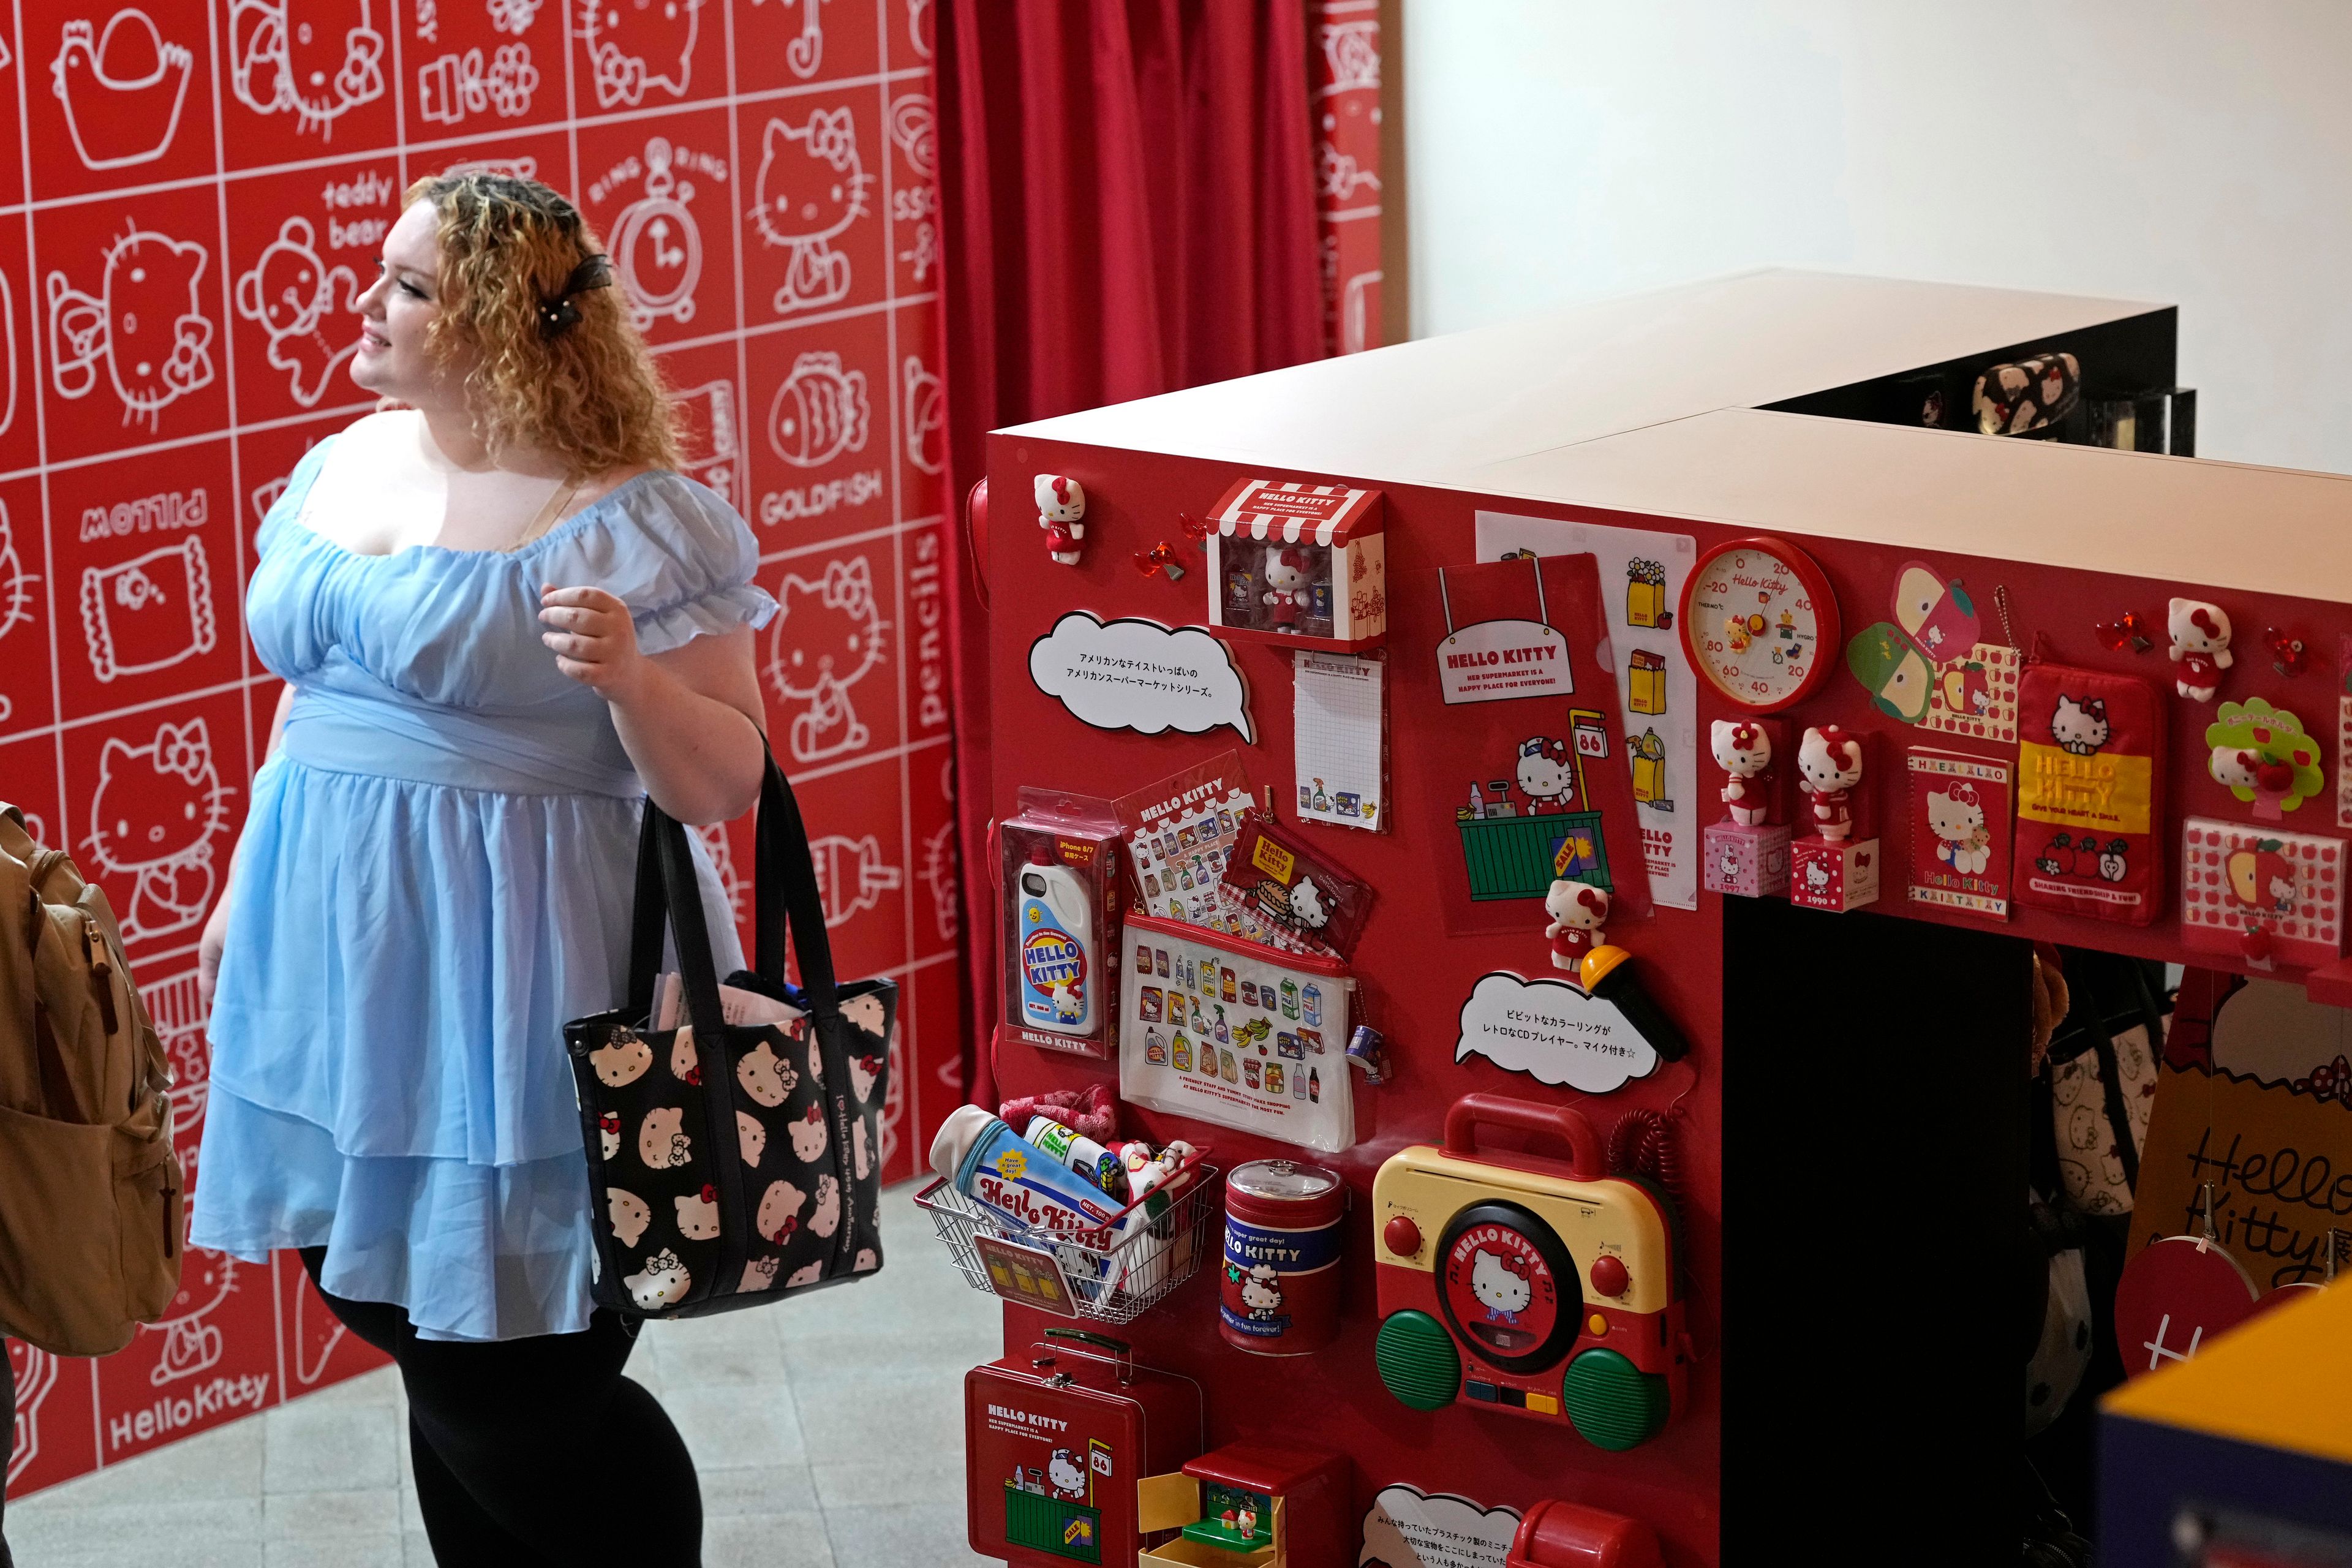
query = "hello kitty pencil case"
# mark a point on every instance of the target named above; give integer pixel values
(2090, 795)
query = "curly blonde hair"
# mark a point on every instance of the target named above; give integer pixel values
(591, 394)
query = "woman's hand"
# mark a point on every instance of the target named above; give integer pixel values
(208, 954)
(594, 639)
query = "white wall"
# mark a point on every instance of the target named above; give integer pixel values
(2194, 153)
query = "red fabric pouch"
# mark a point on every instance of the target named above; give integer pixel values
(2090, 795)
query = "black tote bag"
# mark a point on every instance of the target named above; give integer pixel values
(728, 1165)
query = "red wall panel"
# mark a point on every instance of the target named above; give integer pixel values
(191, 195)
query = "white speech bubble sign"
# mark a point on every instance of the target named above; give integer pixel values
(1407, 1527)
(1139, 675)
(1553, 1032)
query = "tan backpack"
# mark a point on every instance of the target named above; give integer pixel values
(89, 1186)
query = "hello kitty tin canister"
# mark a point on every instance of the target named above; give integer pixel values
(1280, 1292)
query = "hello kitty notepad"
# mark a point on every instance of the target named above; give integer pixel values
(1960, 831)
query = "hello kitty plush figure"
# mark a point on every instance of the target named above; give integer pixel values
(1286, 598)
(1743, 749)
(1546, 773)
(1577, 910)
(2200, 647)
(1061, 512)
(1829, 766)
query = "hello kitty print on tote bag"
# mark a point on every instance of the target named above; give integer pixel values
(731, 1164)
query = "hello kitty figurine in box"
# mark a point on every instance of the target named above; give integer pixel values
(1061, 512)
(1833, 869)
(1303, 564)
(1577, 910)
(1829, 766)
(2200, 647)
(1287, 599)
(1748, 853)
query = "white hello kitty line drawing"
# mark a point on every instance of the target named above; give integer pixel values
(811, 188)
(146, 326)
(829, 638)
(152, 818)
(16, 592)
(291, 292)
(319, 65)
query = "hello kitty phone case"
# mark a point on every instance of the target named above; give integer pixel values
(1527, 1283)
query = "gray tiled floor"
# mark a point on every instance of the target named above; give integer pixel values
(829, 1434)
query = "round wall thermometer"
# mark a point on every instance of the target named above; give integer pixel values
(1760, 623)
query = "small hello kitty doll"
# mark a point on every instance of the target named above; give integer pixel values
(2200, 647)
(1577, 910)
(1744, 751)
(1829, 765)
(1061, 512)
(1286, 598)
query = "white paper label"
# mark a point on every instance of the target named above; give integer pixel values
(1553, 1032)
(1140, 675)
(1492, 660)
(1409, 1529)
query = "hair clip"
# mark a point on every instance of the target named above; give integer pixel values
(557, 314)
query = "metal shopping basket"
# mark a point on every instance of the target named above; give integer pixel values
(1106, 1283)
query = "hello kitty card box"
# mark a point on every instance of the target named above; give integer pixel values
(1532, 1284)
(1057, 1440)
(1298, 563)
(1835, 875)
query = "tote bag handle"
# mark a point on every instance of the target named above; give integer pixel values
(669, 892)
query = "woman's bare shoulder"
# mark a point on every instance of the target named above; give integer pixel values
(594, 490)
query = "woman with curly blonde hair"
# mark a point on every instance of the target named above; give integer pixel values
(504, 620)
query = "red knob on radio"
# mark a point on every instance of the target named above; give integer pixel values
(1609, 1276)
(1403, 1237)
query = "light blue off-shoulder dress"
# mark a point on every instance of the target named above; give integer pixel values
(437, 874)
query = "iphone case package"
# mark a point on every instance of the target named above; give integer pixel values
(1060, 890)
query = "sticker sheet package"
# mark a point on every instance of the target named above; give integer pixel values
(1228, 1032)
(1539, 770)
(1960, 831)
(1062, 894)
(1178, 832)
(2090, 795)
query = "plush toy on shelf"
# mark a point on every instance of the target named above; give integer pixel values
(1577, 910)
(1061, 512)
(2200, 647)
(1829, 762)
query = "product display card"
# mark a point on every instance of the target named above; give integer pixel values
(1341, 739)
(1179, 834)
(1530, 767)
(1642, 577)
(1960, 831)
(1229, 1033)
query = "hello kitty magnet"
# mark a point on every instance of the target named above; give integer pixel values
(1061, 512)
(1829, 769)
(2200, 648)
(1577, 910)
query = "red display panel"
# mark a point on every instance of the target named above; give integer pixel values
(190, 198)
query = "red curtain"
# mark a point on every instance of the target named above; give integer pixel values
(1127, 189)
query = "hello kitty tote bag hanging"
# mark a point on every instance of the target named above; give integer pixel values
(731, 1164)
(2090, 794)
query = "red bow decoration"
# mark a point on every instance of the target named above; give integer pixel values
(1966, 793)
(1518, 1265)
(1194, 528)
(710, 1193)
(813, 1116)
(2288, 655)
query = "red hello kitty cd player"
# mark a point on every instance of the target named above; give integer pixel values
(1538, 1286)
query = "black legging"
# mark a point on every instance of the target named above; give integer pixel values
(536, 1453)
